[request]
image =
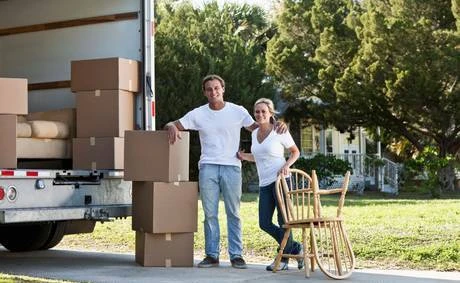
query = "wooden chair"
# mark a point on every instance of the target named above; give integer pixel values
(299, 199)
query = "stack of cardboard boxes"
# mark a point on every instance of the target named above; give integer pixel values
(165, 203)
(105, 94)
(13, 102)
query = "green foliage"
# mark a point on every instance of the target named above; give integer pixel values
(429, 163)
(326, 167)
(387, 64)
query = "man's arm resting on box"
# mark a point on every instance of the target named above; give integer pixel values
(174, 129)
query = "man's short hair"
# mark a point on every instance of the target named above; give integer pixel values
(210, 78)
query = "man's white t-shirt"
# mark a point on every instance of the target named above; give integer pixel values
(269, 155)
(219, 132)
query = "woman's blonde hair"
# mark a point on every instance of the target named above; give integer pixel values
(270, 105)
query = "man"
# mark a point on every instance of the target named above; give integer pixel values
(218, 123)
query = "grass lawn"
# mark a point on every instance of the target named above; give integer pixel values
(403, 232)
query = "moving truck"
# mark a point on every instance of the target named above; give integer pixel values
(43, 199)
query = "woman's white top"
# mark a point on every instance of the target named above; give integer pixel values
(269, 155)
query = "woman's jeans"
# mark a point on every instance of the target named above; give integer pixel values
(213, 180)
(267, 204)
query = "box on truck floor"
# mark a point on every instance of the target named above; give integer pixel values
(105, 73)
(8, 141)
(104, 113)
(97, 153)
(13, 96)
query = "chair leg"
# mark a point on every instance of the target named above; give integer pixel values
(312, 247)
(281, 250)
(306, 253)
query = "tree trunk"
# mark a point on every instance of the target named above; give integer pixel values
(447, 178)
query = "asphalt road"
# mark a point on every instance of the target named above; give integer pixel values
(84, 266)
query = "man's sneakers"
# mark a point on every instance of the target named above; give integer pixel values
(238, 262)
(283, 265)
(209, 261)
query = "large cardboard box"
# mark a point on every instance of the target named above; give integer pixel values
(165, 207)
(13, 96)
(150, 157)
(104, 113)
(164, 250)
(105, 73)
(97, 153)
(8, 141)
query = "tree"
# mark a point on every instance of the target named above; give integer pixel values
(389, 64)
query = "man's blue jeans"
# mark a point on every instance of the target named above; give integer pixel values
(267, 204)
(213, 180)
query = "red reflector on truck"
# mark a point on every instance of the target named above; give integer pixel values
(153, 108)
(32, 174)
(7, 173)
(2, 193)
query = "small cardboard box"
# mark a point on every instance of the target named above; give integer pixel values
(165, 207)
(164, 250)
(8, 141)
(105, 73)
(104, 113)
(13, 96)
(150, 157)
(97, 153)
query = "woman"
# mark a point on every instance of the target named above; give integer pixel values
(268, 153)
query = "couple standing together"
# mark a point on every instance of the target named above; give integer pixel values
(219, 123)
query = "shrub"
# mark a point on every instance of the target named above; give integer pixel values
(326, 167)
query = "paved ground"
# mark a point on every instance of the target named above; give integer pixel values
(80, 266)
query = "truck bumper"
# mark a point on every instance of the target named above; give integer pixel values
(98, 213)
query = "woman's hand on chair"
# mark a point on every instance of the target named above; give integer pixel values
(284, 170)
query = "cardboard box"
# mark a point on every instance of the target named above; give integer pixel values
(150, 157)
(8, 141)
(97, 153)
(104, 113)
(105, 73)
(165, 207)
(13, 96)
(164, 250)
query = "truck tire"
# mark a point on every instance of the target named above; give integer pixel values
(25, 238)
(56, 235)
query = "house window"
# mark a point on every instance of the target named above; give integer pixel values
(329, 141)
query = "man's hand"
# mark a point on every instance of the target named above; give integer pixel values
(173, 132)
(281, 127)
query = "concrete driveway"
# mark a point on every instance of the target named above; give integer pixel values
(83, 266)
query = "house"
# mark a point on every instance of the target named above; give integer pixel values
(351, 147)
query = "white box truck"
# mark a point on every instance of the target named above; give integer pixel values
(41, 201)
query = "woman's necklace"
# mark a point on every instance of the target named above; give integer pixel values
(262, 134)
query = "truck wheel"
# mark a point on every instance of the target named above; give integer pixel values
(25, 237)
(56, 235)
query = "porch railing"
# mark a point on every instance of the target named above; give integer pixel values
(382, 174)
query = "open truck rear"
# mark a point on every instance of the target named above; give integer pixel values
(43, 199)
